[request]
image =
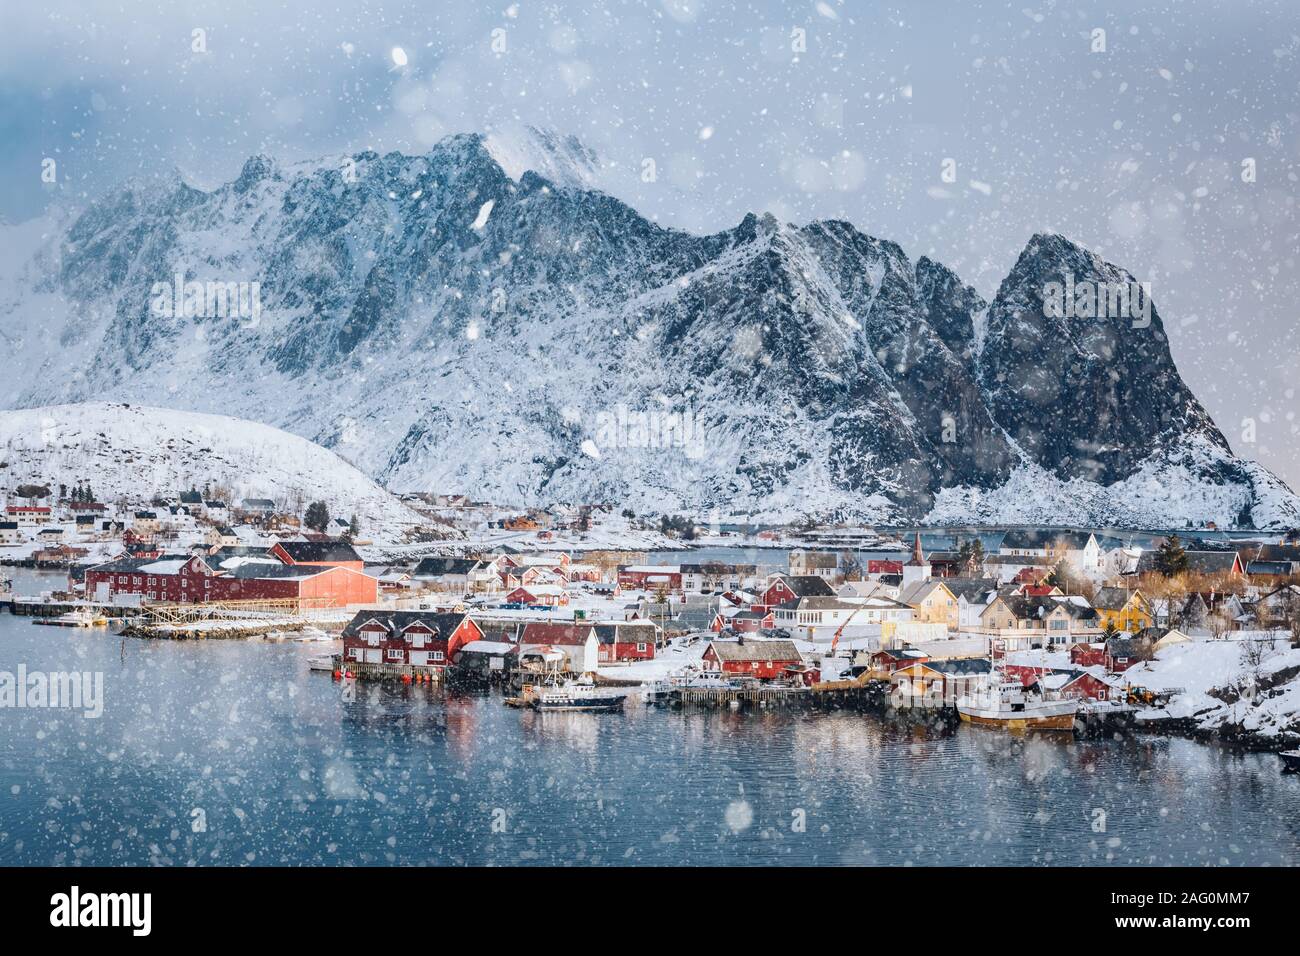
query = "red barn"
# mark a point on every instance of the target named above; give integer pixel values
(762, 659)
(414, 638)
(331, 553)
(626, 641)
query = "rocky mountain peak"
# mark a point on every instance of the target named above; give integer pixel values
(463, 320)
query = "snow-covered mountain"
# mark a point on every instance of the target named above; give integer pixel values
(129, 453)
(448, 326)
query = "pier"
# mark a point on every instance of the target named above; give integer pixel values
(35, 607)
(755, 696)
(225, 619)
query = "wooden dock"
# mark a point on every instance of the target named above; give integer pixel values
(27, 607)
(756, 696)
(362, 670)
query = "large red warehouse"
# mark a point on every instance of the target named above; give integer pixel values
(187, 579)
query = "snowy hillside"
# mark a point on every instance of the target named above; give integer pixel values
(456, 322)
(129, 453)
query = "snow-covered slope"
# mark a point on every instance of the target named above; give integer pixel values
(457, 322)
(130, 452)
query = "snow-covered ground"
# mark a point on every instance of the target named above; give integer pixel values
(129, 453)
(1263, 692)
(678, 654)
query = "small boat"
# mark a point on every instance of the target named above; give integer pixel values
(1290, 760)
(313, 635)
(323, 662)
(73, 619)
(662, 690)
(1010, 707)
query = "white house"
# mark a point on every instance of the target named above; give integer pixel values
(1077, 548)
(818, 618)
(823, 564)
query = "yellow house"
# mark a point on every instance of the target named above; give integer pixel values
(1128, 609)
(932, 603)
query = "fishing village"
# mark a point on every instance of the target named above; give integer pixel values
(1023, 629)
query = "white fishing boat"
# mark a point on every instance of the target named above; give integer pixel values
(1009, 706)
(580, 693)
(659, 691)
(322, 662)
(74, 619)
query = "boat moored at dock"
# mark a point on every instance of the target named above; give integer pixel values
(1009, 706)
(568, 695)
(74, 619)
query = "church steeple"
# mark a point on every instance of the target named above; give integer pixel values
(918, 556)
(917, 569)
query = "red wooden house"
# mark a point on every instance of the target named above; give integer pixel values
(765, 660)
(749, 621)
(880, 566)
(1085, 655)
(547, 595)
(547, 632)
(414, 638)
(651, 577)
(512, 577)
(1087, 685)
(891, 659)
(626, 640)
(791, 587)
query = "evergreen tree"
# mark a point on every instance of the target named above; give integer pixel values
(354, 529)
(1171, 559)
(317, 517)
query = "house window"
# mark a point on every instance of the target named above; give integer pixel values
(395, 654)
(373, 638)
(640, 647)
(437, 655)
(354, 653)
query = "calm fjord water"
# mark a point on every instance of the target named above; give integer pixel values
(234, 753)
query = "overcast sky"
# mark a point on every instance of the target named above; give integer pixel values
(1135, 151)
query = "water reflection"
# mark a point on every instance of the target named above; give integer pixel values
(285, 769)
